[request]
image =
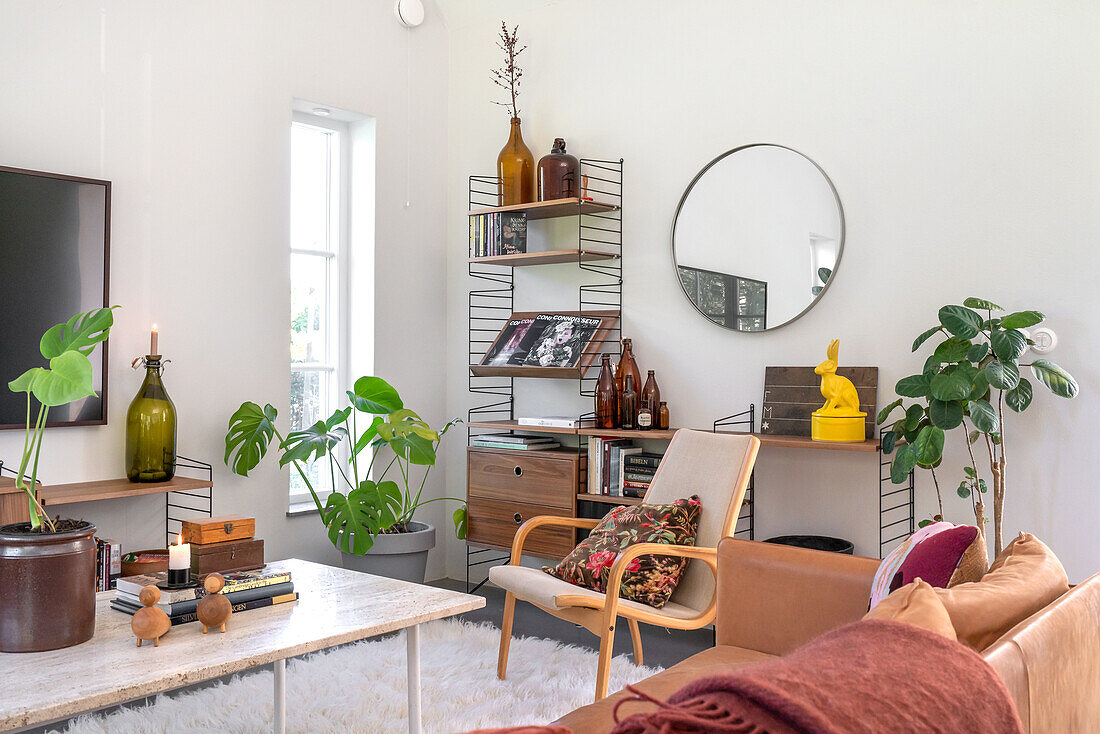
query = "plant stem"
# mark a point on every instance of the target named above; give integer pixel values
(351, 443)
(939, 496)
(309, 486)
(40, 432)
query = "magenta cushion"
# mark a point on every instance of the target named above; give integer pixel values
(935, 558)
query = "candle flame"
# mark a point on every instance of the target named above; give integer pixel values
(179, 539)
(154, 327)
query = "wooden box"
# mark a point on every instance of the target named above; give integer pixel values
(220, 529)
(234, 555)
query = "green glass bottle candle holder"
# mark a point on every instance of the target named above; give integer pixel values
(151, 429)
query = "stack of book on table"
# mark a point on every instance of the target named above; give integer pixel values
(618, 468)
(246, 590)
(516, 443)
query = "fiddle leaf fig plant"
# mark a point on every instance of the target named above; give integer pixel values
(363, 503)
(66, 380)
(967, 382)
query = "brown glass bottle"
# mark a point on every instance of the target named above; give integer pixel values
(650, 397)
(627, 366)
(629, 405)
(557, 173)
(662, 416)
(607, 403)
(516, 170)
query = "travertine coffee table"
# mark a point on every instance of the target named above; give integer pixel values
(336, 606)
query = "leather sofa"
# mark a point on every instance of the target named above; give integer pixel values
(774, 598)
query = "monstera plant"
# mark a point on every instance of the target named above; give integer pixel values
(364, 502)
(972, 375)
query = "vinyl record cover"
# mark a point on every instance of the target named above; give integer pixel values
(557, 340)
(506, 348)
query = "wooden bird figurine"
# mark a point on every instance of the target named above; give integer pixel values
(150, 622)
(214, 608)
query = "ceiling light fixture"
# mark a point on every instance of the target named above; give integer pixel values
(322, 111)
(410, 13)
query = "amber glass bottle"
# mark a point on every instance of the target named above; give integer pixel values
(607, 408)
(516, 170)
(557, 173)
(662, 416)
(627, 366)
(650, 397)
(629, 405)
(151, 429)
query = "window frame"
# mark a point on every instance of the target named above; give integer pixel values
(337, 278)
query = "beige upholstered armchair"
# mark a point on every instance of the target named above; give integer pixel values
(714, 466)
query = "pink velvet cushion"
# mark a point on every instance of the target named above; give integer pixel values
(935, 558)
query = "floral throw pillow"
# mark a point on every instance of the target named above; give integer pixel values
(649, 579)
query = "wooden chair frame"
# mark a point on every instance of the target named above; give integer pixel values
(608, 604)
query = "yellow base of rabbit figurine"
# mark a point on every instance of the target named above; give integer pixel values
(825, 427)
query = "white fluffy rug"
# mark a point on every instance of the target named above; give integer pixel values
(361, 688)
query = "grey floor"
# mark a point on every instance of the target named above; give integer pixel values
(661, 647)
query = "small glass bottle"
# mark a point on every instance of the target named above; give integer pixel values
(151, 429)
(645, 417)
(606, 399)
(662, 416)
(629, 405)
(650, 397)
(627, 366)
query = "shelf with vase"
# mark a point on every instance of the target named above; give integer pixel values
(546, 257)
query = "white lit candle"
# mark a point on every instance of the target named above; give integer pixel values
(153, 337)
(179, 555)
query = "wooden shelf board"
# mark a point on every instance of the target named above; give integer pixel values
(766, 439)
(515, 426)
(107, 489)
(547, 257)
(608, 500)
(570, 207)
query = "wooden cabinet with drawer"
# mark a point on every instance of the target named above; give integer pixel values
(506, 488)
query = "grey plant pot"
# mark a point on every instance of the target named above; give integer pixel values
(401, 556)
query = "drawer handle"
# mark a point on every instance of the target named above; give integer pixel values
(518, 470)
(518, 518)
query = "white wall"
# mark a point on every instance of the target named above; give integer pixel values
(186, 108)
(963, 139)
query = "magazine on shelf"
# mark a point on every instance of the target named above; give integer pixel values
(548, 421)
(506, 348)
(515, 446)
(513, 438)
(557, 340)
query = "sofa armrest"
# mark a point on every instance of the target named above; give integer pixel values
(773, 598)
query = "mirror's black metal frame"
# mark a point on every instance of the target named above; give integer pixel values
(840, 249)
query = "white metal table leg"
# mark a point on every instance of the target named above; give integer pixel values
(279, 718)
(412, 639)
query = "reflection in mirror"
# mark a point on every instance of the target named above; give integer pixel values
(757, 237)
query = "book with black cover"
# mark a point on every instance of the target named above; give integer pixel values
(506, 348)
(189, 605)
(513, 233)
(267, 601)
(557, 340)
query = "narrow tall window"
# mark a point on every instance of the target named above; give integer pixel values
(318, 254)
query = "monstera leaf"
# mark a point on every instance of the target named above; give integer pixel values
(250, 431)
(69, 378)
(459, 518)
(355, 518)
(313, 442)
(80, 333)
(375, 395)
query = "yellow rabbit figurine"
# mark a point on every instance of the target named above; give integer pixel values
(840, 419)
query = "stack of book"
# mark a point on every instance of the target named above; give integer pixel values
(513, 442)
(638, 471)
(501, 233)
(108, 563)
(246, 590)
(614, 470)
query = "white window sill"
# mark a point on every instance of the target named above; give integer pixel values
(297, 509)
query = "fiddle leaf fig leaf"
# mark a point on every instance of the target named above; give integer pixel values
(961, 321)
(952, 349)
(914, 386)
(903, 463)
(246, 440)
(982, 303)
(945, 414)
(928, 448)
(80, 333)
(1019, 397)
(925, 337)
(984, 416)
(951, 386)
(1022, 319)
(913, 415)
(1060, 382)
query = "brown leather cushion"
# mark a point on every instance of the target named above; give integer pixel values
(597, 717)
(916, 604)
(1023, 579)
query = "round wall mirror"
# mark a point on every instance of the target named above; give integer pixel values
(757, 237)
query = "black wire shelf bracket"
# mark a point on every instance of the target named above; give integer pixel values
(743, 421)
(601, 180)
(896, 504)
(180, 505)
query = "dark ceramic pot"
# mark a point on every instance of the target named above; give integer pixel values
(47, 588)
